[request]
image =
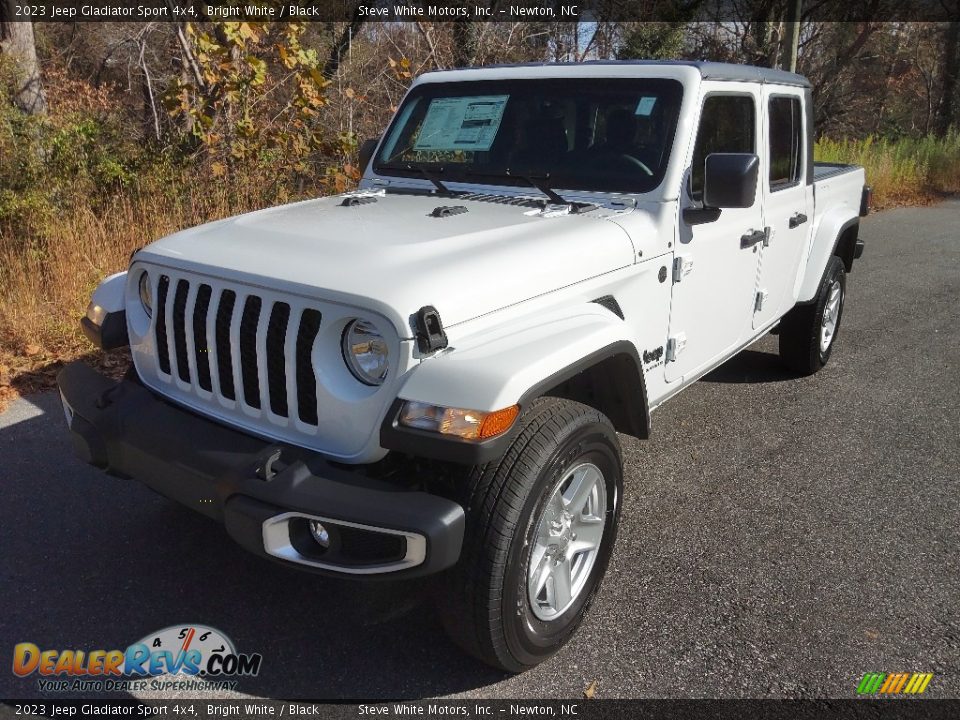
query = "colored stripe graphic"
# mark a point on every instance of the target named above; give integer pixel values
(889, 682)
(894, 683)
(870, 683)
(901, 681)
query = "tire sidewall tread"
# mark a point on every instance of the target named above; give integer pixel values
(501, 500)
(799, 337)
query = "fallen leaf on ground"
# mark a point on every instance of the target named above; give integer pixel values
(31, 350)
(590, 691)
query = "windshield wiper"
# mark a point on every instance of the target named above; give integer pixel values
(415, 167)
(538, 182)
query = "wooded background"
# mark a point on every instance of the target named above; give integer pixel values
(114, 134)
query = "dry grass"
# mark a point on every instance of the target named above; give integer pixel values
(46, 282)
(909, 171)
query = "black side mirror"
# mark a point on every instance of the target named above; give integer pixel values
(730, 180)
(366, 153)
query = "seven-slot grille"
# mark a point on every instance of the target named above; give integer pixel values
(209, 338)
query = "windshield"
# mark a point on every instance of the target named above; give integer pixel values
(601, 134)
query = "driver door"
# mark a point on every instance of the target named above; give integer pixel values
(715, 273)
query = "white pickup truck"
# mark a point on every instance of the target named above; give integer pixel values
(427, 376)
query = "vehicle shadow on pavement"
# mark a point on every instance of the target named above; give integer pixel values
(111, 561)
(751, 366)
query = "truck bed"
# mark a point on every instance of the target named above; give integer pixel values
(837, 187)
(824, 170)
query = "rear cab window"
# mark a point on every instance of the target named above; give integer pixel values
(786, 133)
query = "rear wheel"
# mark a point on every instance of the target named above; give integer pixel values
(541, 524)
(808, 332)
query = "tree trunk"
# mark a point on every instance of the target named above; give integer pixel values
(464, 43)
(16, 41)
(791, 42)
(951, 69)
(342, 45)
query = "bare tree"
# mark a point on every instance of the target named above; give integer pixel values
(16, 41)
(342, 45)
(464, 43)
(951, 69)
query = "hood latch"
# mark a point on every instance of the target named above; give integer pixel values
(430, 334)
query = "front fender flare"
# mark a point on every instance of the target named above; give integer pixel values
(105, 323)
(513, 365)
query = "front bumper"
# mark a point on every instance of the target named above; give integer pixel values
(266, 494)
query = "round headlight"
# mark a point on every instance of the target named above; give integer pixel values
(146, 294)
(365, 352)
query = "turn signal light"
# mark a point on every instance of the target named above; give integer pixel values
(498, 422)
(466, 424)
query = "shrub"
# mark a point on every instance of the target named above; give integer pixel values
(901, 171)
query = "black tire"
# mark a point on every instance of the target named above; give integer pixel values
(800, 347)
(483, 601)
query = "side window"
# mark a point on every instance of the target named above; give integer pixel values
(727, 125)
(785, 133)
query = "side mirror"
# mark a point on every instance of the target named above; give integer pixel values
(730, 180)
(366, 153)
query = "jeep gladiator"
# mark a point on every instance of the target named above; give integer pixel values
(427, 376)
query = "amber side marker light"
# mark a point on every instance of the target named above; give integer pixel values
(466, 424)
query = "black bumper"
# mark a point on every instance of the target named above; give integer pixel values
(243, 482)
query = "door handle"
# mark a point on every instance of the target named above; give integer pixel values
(797, 220)
(752, 238)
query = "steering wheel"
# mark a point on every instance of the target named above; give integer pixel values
(633, 162)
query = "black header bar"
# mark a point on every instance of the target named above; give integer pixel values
(563, 11)
(573, 709)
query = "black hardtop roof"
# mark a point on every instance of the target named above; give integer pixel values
(708, 70)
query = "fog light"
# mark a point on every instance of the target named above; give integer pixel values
(319, 534)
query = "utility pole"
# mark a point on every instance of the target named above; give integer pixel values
(792, 40)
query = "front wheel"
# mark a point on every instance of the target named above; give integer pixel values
(541, 524)
(808, 332)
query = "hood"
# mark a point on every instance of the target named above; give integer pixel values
(393, 256)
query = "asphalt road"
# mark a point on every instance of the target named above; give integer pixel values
(780, 536)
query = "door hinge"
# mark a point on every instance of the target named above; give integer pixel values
(682, 265)
(675, 346)
(759, 300)
(766, 236)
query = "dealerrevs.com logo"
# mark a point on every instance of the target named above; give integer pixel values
(180, 657)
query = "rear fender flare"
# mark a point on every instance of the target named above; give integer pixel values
(831, 228)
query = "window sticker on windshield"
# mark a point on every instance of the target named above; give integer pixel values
(645, 106)
(461, 123)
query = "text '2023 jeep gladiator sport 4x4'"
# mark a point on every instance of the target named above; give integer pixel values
(427, 375)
